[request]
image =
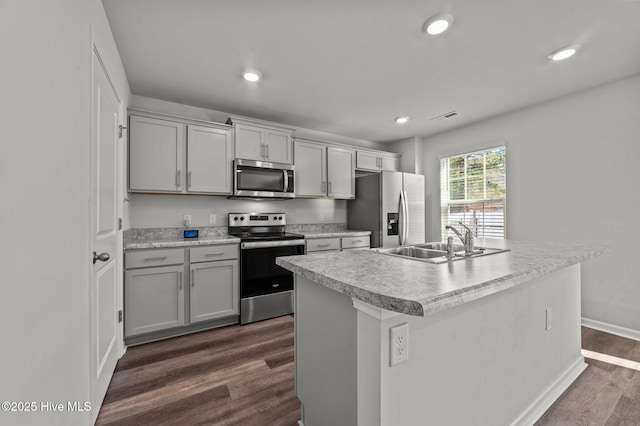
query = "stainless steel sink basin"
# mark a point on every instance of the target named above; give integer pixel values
(437, 252)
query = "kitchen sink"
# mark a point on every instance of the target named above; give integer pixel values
(437, 252)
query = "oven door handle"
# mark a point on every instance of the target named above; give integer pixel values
(266, 244)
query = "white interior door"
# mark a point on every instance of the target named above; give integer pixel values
(104, 233)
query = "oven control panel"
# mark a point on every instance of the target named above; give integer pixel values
(257, 219)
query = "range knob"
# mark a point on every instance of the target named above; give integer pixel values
(280, 218)
(241, 217)
(235, 218)
(275, 218)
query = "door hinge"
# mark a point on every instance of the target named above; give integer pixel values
(119, 223)
(121, 129)
(120, 315)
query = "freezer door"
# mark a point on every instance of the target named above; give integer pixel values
(391, 203)
(414, 189)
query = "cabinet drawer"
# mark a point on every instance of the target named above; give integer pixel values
(323, 244)
(212, 253)
(156, 257)
(355, 242)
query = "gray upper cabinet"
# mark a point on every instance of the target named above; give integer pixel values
(179, 157)
(311, 169)
(341, 178)
(209, 157)
(262, 141)
(377, 161)
(156, 150)
(324, 171)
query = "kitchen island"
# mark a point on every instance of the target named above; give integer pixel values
(492, 340)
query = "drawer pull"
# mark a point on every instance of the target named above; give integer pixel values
(151, 259)
(324, 245)
(214, 254)
(357, 241)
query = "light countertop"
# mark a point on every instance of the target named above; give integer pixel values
(173, 241)
(419, 288)
(334, 234)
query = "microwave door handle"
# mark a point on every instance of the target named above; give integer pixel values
(286, 180)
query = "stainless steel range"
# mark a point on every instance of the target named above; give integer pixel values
(266, 289)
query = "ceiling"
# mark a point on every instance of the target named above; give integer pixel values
(351, 67)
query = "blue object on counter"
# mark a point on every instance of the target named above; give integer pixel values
(190, 233)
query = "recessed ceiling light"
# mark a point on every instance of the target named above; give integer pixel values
(251, 76)
(563, 53)
(401, 120)
(437, 24)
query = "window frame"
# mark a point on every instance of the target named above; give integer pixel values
(445, 189)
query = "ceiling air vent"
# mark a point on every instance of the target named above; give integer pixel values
(445, 116)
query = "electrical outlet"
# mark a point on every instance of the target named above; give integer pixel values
(548, 316)
(398, 344)
(187, 220)
(212, 219)
(321, 217)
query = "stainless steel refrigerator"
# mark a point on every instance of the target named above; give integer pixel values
(391, 206)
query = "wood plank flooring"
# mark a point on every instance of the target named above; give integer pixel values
(244, 376)
(228, 376)
(605, 394)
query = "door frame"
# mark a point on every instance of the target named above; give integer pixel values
(95, 50)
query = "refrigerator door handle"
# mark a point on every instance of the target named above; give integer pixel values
(403, 218)
(406, 218)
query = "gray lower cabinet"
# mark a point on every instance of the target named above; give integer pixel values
(214, 290)
(154, 299)
(174, 291)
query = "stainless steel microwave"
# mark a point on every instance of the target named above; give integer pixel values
(261, 179)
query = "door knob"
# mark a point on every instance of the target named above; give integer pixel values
(102, 257)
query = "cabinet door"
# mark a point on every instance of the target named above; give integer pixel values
(390, 164)
(215, 292)
(311, 169)
(154, 299)
(341, 172)
(209, 160)
(155, 155)
(278, 146)
(249, 140)
(368, 161)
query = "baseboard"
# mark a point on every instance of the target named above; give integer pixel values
(612, 329)
(542, 403)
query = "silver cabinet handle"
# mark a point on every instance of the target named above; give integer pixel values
(102, 257)
(180, 283)
(178, 173)
(214, 254)
(189, 179)
(357, 241)
(324, 187)
(329, 191)
(152, 259)
(193, 279)
(324, 245)
(267, 151)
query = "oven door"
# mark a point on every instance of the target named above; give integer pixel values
(262, 179)
(259, 273)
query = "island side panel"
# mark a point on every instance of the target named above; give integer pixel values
(488, 362)
(325, 355)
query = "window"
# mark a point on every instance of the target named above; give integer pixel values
(473, 190)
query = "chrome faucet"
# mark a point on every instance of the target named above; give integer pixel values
(467, 239)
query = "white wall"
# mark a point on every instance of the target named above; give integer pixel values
(167, 211)
(44, 182)
(572, 175)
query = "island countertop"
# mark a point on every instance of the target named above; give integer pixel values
(420, 288)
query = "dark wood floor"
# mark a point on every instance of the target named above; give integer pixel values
(244, 376)
(605, 394)
(228, 376)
